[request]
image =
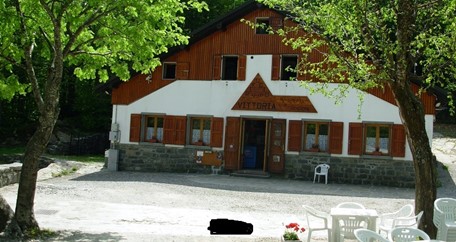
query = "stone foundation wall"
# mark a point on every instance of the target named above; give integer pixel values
(158, 158)
(366, 171)
(10, 173)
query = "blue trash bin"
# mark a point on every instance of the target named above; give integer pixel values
(249, 157)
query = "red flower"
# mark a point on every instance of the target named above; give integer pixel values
(291, 231)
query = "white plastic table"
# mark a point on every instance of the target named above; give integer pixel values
(340, 213)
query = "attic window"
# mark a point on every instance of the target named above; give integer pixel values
(169, 70)
(262, 25)
(288, 67)
(230, 67)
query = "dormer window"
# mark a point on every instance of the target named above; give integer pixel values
(262, 25)
(169, 70)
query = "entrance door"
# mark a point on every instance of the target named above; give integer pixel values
(254, 143)
(277, 146)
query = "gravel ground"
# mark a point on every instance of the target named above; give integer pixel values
(94, 204)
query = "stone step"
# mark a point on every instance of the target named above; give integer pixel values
(251, 173)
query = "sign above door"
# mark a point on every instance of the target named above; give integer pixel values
(258, 97)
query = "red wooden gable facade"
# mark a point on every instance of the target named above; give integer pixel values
(202, 60)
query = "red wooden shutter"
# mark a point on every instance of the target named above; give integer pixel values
(180, 128)
(135, 127)
(275, 67)
(174, 129)
(242, 64)
(216, 132)
(182, 71)
(168, 130)
(294, 135)
(398, 141)
(336, 134)
(355, 139)
(181, 125)
(217, 67)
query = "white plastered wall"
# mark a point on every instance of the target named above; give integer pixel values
(216, 98)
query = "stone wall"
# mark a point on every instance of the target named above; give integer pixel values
(10, 173)
(158, 158)
(364, 170)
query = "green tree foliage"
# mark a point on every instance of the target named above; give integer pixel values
(217, 8)
(377, 44)
(99, 38)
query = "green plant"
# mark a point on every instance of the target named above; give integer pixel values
(292, 230)
(81, 158)
(39, 233)
(65, 172)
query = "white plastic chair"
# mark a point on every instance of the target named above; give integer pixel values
(408, 234)
(445, 218)
(315, 215)
(386, 220)
(406, 222)
(409, 222)
(350, 205)
(321, 170)
(366, 235)
(347, 226)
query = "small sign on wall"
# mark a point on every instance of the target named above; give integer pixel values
(199, 156)
(208, 158)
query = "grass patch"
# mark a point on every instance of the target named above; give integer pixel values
(39, 234)
(81, 158)
(12, 150)
(65, 172)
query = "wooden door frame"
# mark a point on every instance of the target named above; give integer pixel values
(267, 120)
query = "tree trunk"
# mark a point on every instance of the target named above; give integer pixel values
(24, 214)
(412, 115)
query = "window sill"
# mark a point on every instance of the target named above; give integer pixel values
(150, 143)
(198, 147)
(318, 153)
(374, 156)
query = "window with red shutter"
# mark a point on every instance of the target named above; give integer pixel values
(152, 128)
(377, 139)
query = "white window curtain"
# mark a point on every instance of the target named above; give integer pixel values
(150, 133)
(322, 141)
(196, 136)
